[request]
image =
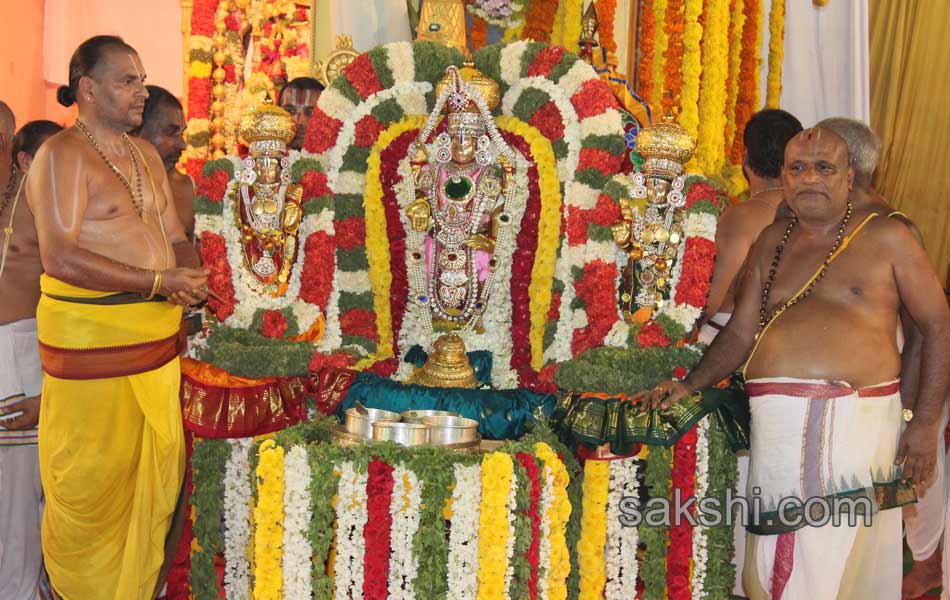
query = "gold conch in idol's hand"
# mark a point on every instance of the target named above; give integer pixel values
(478, 241)
(621, 233)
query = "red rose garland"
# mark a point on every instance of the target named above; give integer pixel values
(526, 245)
(316, 279)
(214, 256)
(322, 131)
(378, 530)
(592, 99)
(699, 259)
(596, 289)
(314, 185)
(275, 325)
(533, 553)
(367, 130)
(362, 76)
(214, 186)
(548, 121)
(683, 478)
(651, 335)
(548, 58)
(359, 322)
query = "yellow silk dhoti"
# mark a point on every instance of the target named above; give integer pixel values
(112, 450)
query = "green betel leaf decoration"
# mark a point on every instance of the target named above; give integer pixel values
(208, 467)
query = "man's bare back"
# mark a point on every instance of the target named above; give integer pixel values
(20, 282)
(738, 229)
(183, 192)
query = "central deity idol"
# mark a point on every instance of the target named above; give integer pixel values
(460, 188)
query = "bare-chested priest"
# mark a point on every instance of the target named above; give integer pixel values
(117, 268)
(814, 325)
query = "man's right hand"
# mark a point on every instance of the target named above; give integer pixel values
(665, 395)
(185, 286)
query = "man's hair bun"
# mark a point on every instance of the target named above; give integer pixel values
(65, 96)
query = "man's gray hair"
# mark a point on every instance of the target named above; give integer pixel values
(864, 147)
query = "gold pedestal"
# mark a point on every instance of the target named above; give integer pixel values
(447, 366)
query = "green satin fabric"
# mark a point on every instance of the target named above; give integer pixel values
(621, 424)
(501, 414)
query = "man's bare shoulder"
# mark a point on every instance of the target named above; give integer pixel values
(769, 238)
(886, 230)
(150, 153)
(180, 182)
(748, 218)
(67, 142)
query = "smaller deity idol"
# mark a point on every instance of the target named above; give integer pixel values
(651, 228)
(460, 189)
(268, 212)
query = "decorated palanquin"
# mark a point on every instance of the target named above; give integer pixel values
(456, 236)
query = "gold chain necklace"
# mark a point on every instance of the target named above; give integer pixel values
(766, 290)
(136, 193)
(774, 188)
(10, 188)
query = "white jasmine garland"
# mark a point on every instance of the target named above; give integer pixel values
(701, 224)
(401, 61)
(510, 546)
(614, 588)
(700, 533)
(608, 122)
(463, 533)
(351, 515)
(237, 522)
(578, 74)
(544, 548)
(297, 550)
(405, 509)
(334, 104)
(629, 536)
(510, 61)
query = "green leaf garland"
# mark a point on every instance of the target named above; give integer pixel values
(208, 467)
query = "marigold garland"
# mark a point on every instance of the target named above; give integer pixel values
(479, 32)
(661, 41)
(692, 69)
(377, 239)
(776, 52)
(606, 13)
(573, 10)
(558, 515)
(747, 99)
(590, 549)
(674, 25)
(647, 37)
(539, 20)
(712, 99)
(497, 475)
(736, 24)
(269, 519)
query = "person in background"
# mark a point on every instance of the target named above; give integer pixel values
(21, 380)
(298, 98)
(163, 126)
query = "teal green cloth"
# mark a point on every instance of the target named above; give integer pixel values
(480, 360)
(501, 414)
(596, 421)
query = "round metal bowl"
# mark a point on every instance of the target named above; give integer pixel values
(416, 416)
(361, 424)
(406, 434)
(451, 430)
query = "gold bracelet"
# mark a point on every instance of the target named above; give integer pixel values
(156, 285)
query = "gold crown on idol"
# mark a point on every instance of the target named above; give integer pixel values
(459, 100)
(267, 129)
(665, 148)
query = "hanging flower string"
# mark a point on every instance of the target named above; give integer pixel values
(776, 53)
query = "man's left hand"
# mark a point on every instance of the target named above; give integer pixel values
(917, 450)
(29, 418)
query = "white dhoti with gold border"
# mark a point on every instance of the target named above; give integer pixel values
(822, 472)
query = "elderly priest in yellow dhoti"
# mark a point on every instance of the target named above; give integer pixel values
(112, 450)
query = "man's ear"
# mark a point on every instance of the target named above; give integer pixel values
(23, 161)
(85, 89)
(4, 142)
(850, 177)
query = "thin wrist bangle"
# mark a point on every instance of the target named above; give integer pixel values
(156, 285)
